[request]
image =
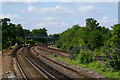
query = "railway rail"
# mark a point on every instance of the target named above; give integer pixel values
(27, 69)
(60, 52)
(28, 65)
(33, 67)
(64, 66)
(49, 68)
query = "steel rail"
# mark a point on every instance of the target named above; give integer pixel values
(48, 74)
(60, 72)
(19, 67)
(56, 51)
(88, 77)
(48, 67)
(22, 71)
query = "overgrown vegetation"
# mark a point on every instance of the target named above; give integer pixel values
(81, 54)
(14, 33)
(92, 40)
(96, 66)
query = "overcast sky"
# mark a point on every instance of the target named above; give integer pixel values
(59, 16)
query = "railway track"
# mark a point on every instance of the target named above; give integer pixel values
(51, 50)
(66, 68)
(32, 68)
(49, 71)
(49, 68)
(27, 68)
(43, 67)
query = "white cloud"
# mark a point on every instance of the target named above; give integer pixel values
(86, 8)
(25, 23)
(105, 17)
(53, 24)
(53, 27)
(52, 10)
(48, 19)
(13, 16)
(43, 19)
(31, 9)
(82, 10)
(107, 21)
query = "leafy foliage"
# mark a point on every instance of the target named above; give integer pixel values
(91, 23)
(113, 52)
(113, 59)
(97, 39)
(82, 54)
(91, 37)
(96, 66)
(14, 33)
(39, 32)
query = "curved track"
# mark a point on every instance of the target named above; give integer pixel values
(62, 53)
(27, 69)
(76, 74)
(43, 67)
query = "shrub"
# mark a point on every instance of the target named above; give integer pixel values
(85, 57)
(113, 58)
(82, 54)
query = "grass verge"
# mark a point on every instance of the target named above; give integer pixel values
(95, 66)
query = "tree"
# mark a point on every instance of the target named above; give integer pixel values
(53, 38)
(19, 31)
(14, 33)
(8, 33)
(27, 32)
(40, 32)
(95, 40)
(113, 52)
(116, 34)
(5, 23)
(92, 36)
(11, 33)
(91, 23)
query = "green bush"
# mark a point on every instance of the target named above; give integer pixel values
(82, 54)
(85, 57)
(96, 66)
(113, 58)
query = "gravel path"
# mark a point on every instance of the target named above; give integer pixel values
(7, 65)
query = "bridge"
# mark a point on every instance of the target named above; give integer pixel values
(35, 36)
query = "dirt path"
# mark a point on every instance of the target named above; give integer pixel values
(7, 64)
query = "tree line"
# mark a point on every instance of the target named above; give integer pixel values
(14, 33)
(92, 39)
